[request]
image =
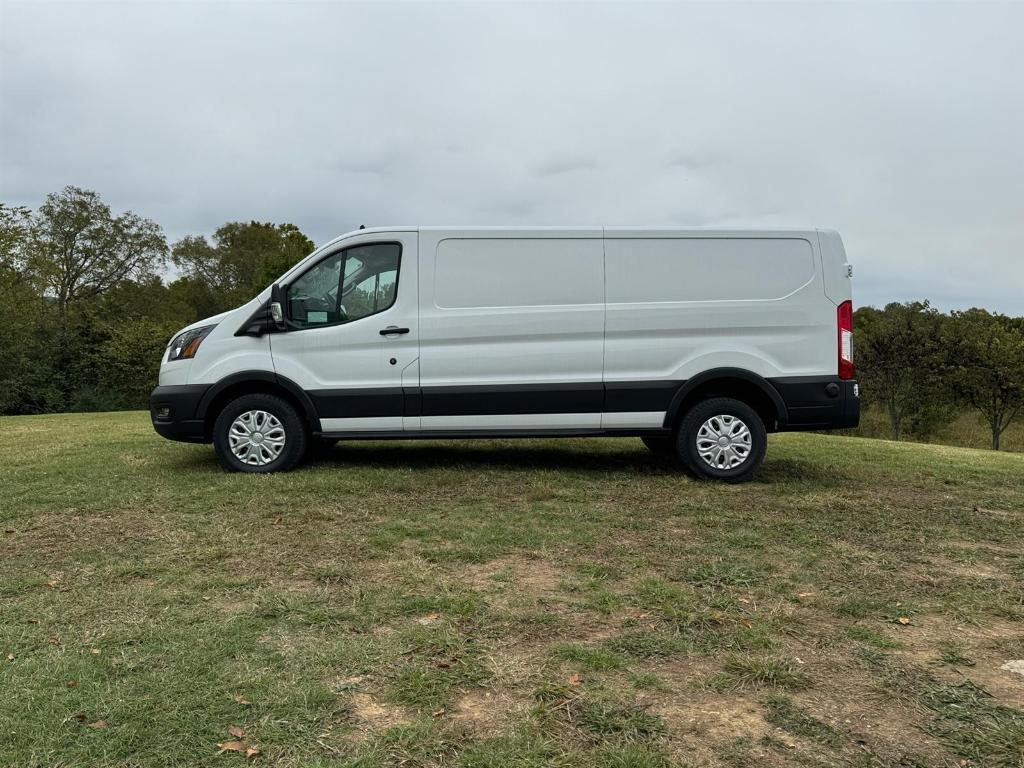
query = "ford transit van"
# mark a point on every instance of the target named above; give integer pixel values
(700, 342)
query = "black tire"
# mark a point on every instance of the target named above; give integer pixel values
(662, 446)
(689, 431)
(295, 437)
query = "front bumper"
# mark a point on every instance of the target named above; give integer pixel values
(173, 412)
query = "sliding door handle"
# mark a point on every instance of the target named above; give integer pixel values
(393, 330)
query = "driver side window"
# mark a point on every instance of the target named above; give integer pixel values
(346, 286)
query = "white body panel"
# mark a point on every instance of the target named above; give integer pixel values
(504, 308)
(491, 312)
(223, 353)
(684, 302)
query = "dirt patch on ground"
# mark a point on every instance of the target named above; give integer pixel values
(718, 718)
(72, 530)
(945, 567)
(372, 715)
(513, 574)
(485, 710)
(981, 662)
(700, 724)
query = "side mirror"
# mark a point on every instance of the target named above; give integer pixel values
(277, 306)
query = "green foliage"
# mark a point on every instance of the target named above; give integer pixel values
(86, 316)
(76, 249)
(242, 260)
(988, 365)
(901, 359)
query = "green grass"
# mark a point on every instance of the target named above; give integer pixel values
(502, 603)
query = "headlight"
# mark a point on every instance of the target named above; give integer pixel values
(185, 345)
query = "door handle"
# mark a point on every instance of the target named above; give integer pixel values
(393, 330)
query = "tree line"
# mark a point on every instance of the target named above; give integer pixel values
(86, 313)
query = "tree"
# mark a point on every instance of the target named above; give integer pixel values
(989, 367)
(901, 360)
(243, 260)
(26, 376)
(15, 236)
(80, 250)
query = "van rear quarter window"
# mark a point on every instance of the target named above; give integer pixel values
(518, 272)
(648, 270)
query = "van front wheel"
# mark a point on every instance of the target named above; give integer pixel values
(259, 433)
(722, 439)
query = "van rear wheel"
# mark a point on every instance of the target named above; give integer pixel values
(259, 433)
(722, 439)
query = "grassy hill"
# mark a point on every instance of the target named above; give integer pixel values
(503, 603)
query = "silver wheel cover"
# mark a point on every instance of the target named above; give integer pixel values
(256, 437)
(724, 442)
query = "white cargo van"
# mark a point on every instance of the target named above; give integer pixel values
(698, 341)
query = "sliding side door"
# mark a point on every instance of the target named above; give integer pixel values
(511, 329)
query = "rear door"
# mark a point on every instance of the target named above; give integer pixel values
(353, 332)
(511, 329)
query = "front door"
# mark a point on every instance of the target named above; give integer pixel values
(353, 332)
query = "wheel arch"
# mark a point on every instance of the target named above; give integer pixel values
(254, 382)
(738, 383)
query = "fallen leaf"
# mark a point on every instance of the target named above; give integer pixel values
(235, 731)
(94, 651)
(240, 699)
(903, 620)
(574, 680)
(10, 657)
(438, 712)
(51, 583)
(54, 640)
(33, 621)
(252, 752)
(278, 520)
(79, 716)
(97, 724)
(71, 683)
(231, 746)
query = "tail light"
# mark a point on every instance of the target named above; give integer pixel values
(844, 315)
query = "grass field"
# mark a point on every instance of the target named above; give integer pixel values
(484, 604)
(967, 429)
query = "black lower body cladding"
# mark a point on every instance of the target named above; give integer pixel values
(805, 402)
(819, 402)
(173, 410)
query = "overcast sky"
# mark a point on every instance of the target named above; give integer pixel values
(902, 126)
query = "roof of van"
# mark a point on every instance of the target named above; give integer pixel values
(597, 231)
